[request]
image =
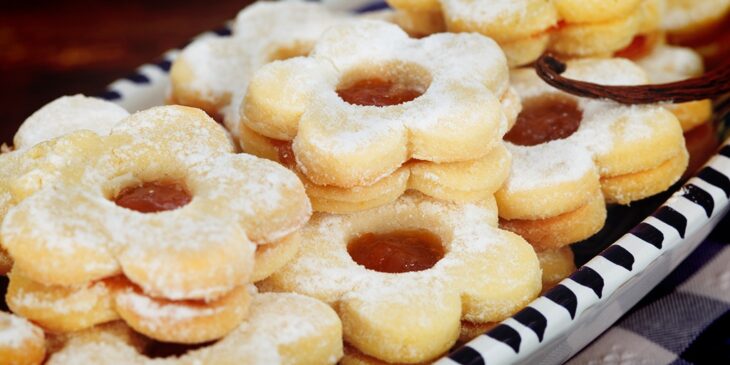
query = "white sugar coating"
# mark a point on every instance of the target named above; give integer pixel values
(275, 321)
(68, 114)
(603, 122)
(502, 19)
(17, 331)
(457, 117)
(549, 163)
(599, 117)
(610, 71)
(264, 196)
(487, 11)
(219, 65)
(157, 314)
(82, 299)
(325, 270)
(187, 133)
(201, 250)
(669, 63)
(679, 15)
(262, 32)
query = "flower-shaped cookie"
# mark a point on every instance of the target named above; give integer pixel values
(369, 99)
(61, 116)
(282, 329)
(405, 275)
(213, 72)
(569, 154)
(207, 206)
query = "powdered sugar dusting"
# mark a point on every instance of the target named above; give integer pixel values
(681, 14)
(668, 64)
(325, 270)
(68, 114)
(459, 95)
(262, 32)
(201, 250)
(547, 164)
(16, 331)
(276, 321)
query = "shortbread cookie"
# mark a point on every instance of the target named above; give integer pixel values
(664, 64)
(209, 72)
(404, 276)
(61, 116)
(211, 209)
(526, 28)
(569, 154)
(21, 343)
(688, 19)
(353, 119)
(523, 28)
(282, 329)
(556, 265)
(67, 114)
(599, 28)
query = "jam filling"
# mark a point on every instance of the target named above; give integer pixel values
(284, 152)
(545, 118)
(155, 349)
(377, 92)
(152, 197)
(397, 251)
(640, 47)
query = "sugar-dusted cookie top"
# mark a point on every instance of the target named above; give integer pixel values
(213, 72)
(79, 222)
(369, 98)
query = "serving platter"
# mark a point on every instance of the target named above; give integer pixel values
(617, 267)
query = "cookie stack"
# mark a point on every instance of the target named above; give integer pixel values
(419, 190)
(154, 225)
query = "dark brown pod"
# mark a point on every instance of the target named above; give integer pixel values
(707, 86)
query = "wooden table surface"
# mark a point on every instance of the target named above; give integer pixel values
(54, 48)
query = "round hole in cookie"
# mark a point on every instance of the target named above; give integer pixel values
(397, 251)
(392, 83)
(545, 118)
(153, 196)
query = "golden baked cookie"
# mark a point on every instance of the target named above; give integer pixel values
(556, 265)
(282, 329)
(61, 116)
(526, 28)
(664, 64)
(369, 105)
(570, 154)
(212, 73)
(67, 114)
(520, 27)
(598, 27)
(21, 343)
(161, 201)
(403, 276)
(687, 19)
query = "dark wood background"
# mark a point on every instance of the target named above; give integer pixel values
(54, 48)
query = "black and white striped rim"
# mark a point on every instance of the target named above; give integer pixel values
(701, 200)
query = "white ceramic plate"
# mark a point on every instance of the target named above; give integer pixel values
(558, 324)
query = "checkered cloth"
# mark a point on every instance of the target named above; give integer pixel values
(684, 320)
